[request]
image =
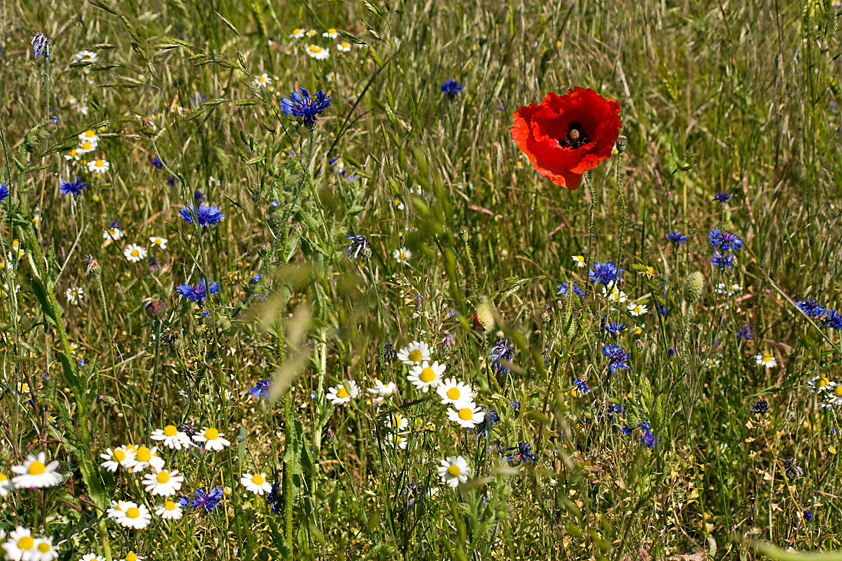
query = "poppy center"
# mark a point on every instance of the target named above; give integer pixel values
(576, 136)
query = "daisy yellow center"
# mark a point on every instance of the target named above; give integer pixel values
(257, 479)
(133, 512)
(170, 430)
(135, 253)
(132, 556)
(767, 357)
(415, 355)
(823, 382)
(453, 471)
(428, 375)
(296, 31)
(98, 163)
(86, 145)
(36, 468)
(119, 455)
(453, 393)
(169, 505)
(163, 477)
(26, 543)
(43, 547)
(74, 153)
(838, 391)
(261, 79)
(345, 45)
(466, 413)
(580, 259)
(331, 30)
(3, 477)
(211, 434)
(144, 454)
(397, 420)
(315, 49)
(637, 309)
(89, 134)
(342, 393)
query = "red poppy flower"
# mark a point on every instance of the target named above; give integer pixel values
(567, 135)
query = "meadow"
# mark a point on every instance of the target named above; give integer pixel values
(413, 280)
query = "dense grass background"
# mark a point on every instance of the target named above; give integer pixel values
(715, 96)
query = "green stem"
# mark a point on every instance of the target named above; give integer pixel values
(154, 378)
(590, 228)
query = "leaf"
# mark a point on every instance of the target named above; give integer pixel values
(41, 294)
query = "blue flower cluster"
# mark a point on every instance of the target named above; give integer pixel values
(261, 389)
(563, 287)
(831, 319)
(677, 237)
(521, 452)
(199, 292)
(605, 273)
(450, 88)
(300, 104)
(4, 191)
(725, 245)
(617, 357)
(502, 351)
(74, 188)
(201, 498)
(205, 215)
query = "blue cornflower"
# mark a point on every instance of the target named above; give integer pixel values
(723, 261)
(450, 88)
(580, 387)
(677, 237)
(40, 45)
(724, 241)
(206, 214)
(811, 308)
(562, 289)
(358, 243)
(260, 390)
(68, 188)
(502, 351)
(617, 357)
(626, 431)
(808, 516)
(4, 191)
(198, 196)
(516, 407)
(487, 424)
(199, 292)
(159, 163)
(744, 333)
(663, 311)
(275, 498)
(522, 452)
(206, 500)
(605, 273)
(201, 98)
(615, 329)
(302, 105)
(648, 438)
(832, 320)
(255, 278)
(722, 197)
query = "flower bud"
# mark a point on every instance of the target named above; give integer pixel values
(622, 143)
(693, 286)
(485, 315)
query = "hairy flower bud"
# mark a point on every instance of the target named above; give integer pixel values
(485, 315)
(693, 286)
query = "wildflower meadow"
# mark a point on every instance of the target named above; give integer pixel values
(414, 280)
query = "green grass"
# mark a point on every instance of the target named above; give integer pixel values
(735, 97)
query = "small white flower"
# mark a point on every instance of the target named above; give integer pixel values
(112, 234)
(396, 441)
(133, 515)
(579, 260)
(118, 457)
(74, 294)
(262, 81)
(85, 146)
(637, 309)
(454, 470)
(173, 438)
(343, 47)
(163, 482)
(132, 556)
(617, 296)
(297, 33)
(713, 363)
(212, 438)
(383, 390)
(134, 253)
(331, 33)
(467, 416)
(36, 473)
(766, 360)
(331, 76)
(402, 255)
(5, 485)
(396, 422)
(256, 483)
(86, 56)
(399, 204)
(158, 242)
(425, 375)
(318, 53)
(92, 557)
(169, 510)
(21, 545)
(311, 33)
(455, 393)
(343, 393)
(72, 155)
(820, 384)
(144, 457)
(89, 136)
(98, 166)
(834, 395)
(414, 353)
(44, 550)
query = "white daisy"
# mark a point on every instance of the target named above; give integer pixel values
(425, 376)
(617, 296)
(144, 457)
(396, 441)
(383, 390)
(36, 473)
(112, 234)
(453, 392)
(331, 33)
(74, 294)
(396, 421)
(318, 53)
(5, 485)
(132, 556)
(169, 510)
(454, 470)
(116, 458)
(311, 33)
(72, 100)
(134, 252)
(21, 545)
(261, 81)
(212, 438)
(163, 483)
(766, 360)
(637, 309)
(85, 56)
(17, 250)
(98, 166)
(712, 363)
(44, 550)
(173, 438)
(820, 384)
(72, 155)
(158, 242)
(834, 395)
(399, 204)
(402, 255)
(134, 515)
(343, 393)
(84, 147)
(297, 33)
(256, 483)
(579, 260)
(92, 557)
(115, 511)
(89, 136)
(467, 416)
(414, 353)
(343, 47)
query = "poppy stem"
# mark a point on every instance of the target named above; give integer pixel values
(622, 206)
(590, 226)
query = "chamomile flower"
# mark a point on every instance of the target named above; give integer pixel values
(212, 438)
(331, 33)
(74, 294)
(712, 363)
(382, 390)
(262, 81)
(616, 296)
(414, 353)
(132, 556)
(579, 260)
(311, 33)
(118, 457)
(17, 250)
(134, 252)
(21, 545)
(133, 515)
(112, 234)
(343, 393)
(637, 309)
(396, 421)
(318, 53)
(144, 457)
(163, 482)
(158, 242)
(766, 360)
(173, 438)
(92, 557)
(256, 483)
(396, 441)
(84, 147)
(297, 33)
(98, 166)
(72, 155)
(85, 56)
(169, 510)
(454, 470)
(402, 255)
(467, 415)
(35, 473)
(453, 392)
(343, 47)
(819, 384)
(425, 375)
(5, 485)
(44, 550)
(89, 136)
